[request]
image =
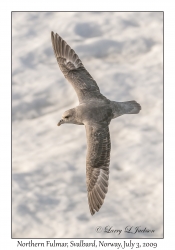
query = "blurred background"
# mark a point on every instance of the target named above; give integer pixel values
(123, 51)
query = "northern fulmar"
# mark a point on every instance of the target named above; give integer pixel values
(94, 111)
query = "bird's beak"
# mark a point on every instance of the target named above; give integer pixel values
(60, 122)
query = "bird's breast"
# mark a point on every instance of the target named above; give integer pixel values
(94, 112)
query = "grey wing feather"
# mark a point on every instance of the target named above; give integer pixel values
(74, 71)
(97, 165)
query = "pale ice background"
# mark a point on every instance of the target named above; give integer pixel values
(123, 51)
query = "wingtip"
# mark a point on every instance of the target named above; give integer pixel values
(52, 34)
(92, 212)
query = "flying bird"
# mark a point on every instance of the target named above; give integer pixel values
(95, 112)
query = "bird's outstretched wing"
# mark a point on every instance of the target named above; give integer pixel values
(74, 71)
(97, 164)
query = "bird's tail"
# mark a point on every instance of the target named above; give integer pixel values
(130, 107)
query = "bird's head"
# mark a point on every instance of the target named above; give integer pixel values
(69, 116)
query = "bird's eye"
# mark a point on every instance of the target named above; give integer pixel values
(66, 116)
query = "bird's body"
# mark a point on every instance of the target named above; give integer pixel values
(94, 111)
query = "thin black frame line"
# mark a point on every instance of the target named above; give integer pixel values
(163, 131)
(11, 125)
(163, 128)
(115, 238)
(87, 11)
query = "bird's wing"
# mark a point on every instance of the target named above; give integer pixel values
(74, 71)
(97, 164)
